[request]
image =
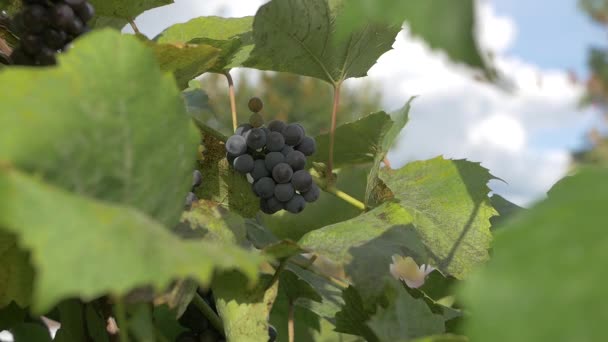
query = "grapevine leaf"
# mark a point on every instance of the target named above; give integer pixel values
(456, 34)
(140, 322)
(442, 338)
(449, 202)
(71, 313)
(366, 243)
(330, 296)
(11, 315)
(306, 323)
(505, 210)
(561, 241)
(112, 22)
(356, 142)
(221, 183)
(197, 102)
(405, 318)
(351, 319)
(185, 61)
(164, 319)
(244, 312)
(125, 9)
(299, 37)
(296, 288)
(105, 144)
(16, 273)
(213, 223)
(376, 191)
(141, 247)
(282, 249)
(95, 324)
(231, 35)
(31, 332)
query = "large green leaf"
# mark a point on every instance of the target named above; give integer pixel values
(366, 243)
(376, 192)
(405, 318)
(231, 35)
(244, 312)
(298, 36)
(209, 221)
(121, 248)
(330, 296)
(505, 209)
(355, 142)
(125, 9)
(221, 183)
(16, 274)
(186, 61)
(449, 202)
(397, 316)
(106, 123)
(546, 281)
(448, 25)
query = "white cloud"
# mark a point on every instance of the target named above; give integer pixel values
(522, 137)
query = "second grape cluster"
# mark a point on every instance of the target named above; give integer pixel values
(274, 160)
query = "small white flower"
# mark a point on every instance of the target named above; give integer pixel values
(406, 270)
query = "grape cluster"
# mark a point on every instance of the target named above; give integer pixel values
(46, 27)
(274, 160)
(199, 329)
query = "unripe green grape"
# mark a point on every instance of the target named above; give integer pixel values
(255, 104)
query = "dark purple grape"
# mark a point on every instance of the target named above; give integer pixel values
(296, 159)
(63, 16)
(230, 159)
(55, 39)
(243, 163)
(46, 56)
(273, 159)
(259, 170)
(301, 180)
(85, 12)
(75, 27)
(236, 145)
(75, 3)
(296, 204)
(308, 146)
(293, 134)
(275, 142)
(282, 173)
(190, 198)
(256, 120)
(256, 138)
(264, 187)
(35, 19)
(242, 129)
(287, 150)
(20, 57)
(284, 192)
(197, 178)
(313, 194)
(272, 334)
(271, 205)
(276, 126)
(32, 44)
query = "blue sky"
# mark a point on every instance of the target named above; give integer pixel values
(552, 33)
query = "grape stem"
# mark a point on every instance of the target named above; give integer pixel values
(134, 26)
(277, 272)
(121, 318)
(232, 99)
(345, 197)
(290, 322)
(5, 48)
(213, 318)
(332, 130)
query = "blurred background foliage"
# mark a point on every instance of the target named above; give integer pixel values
(286, 97)
(597, 88)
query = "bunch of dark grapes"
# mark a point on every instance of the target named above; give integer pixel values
(200, 329)
(274, 160)
(46, 27)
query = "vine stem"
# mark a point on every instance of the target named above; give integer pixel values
(213, 318)
(121, 317)
(290, 322)
(5, 48)
(232, 99)
(332, 130)
(134, 26)
(345, 197)
(277, 273)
